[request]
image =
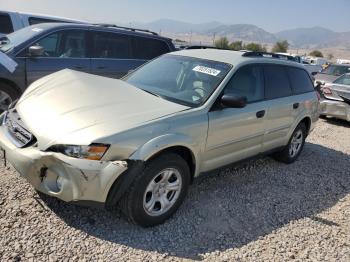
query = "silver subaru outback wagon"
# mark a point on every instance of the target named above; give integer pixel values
(138, 143)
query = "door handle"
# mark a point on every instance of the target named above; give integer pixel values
(295, 105)
(101, 67)
(260, 114)
(79, 67)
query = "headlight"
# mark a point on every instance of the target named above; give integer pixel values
(91, 152)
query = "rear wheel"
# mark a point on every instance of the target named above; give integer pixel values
(158, 192)
(8, 94)
(295, 145)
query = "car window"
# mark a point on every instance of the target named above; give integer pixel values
(276, 82)
(300, 80)
(64, 44)
(180, 79)
(343, 80)
(38, 20)
(248, 82)
(147, 48)
(111, 45)
(6, 26)
(336, 70)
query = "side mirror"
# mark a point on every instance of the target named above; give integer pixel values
(233, 101)
(36, 50)
(314, 73)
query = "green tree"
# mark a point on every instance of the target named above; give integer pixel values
(222, 43)
(316, 53)
(236, 45)
(280, 47)
(255, 47)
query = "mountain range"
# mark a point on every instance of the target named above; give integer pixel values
(315, 37)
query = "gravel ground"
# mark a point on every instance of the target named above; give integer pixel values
(261, 210)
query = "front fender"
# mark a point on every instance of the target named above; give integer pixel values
(157, 144)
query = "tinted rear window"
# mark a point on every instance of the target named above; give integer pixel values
(300, 80)
(276, 82)
(5, 24)
(111, 45)
(147, 48)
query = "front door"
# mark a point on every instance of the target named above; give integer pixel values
(237, 133)
(62, 49)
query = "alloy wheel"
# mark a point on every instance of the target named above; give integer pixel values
(162, 192)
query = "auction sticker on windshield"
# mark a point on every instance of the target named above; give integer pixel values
(7, 62)
(206, 70)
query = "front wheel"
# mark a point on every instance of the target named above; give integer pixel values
(158, 192)
(294, 147)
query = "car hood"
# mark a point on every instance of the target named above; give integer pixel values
(70, 107)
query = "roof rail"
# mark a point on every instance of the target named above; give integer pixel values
(127, 28)
(269, 55)
(202, 47)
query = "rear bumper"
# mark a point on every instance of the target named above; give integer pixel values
(79, 179)
(335, 109)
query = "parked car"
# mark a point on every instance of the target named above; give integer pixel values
(35, 51)
(140, 141)
(332, 72)
(336, 102)
(13, 21)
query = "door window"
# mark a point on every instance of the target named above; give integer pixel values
(147, 48)
(276, 82)
(5, 24)
(64, 44)
(300, 80)
(111, 45)
(248, 82)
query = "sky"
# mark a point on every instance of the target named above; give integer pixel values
(271, 15)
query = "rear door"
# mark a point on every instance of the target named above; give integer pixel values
(111, 54)
(62, 49)
(278, 96)
(116, 54)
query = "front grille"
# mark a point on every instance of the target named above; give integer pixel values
(17, 130)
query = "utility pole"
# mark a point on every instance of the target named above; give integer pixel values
(214, 35)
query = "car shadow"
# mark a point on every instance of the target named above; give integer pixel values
(230, 209)
(337, 122)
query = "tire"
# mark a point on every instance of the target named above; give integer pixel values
(8, 94)
(139, 196)
(288, 155)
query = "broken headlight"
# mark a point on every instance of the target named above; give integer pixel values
(91, 152)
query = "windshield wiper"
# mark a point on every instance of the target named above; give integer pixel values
(152, 93)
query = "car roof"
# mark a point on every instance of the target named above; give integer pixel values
(233, 57)
(50, 26)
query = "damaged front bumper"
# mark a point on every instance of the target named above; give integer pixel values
(66, 178)
(337, 109)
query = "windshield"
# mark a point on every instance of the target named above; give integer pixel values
(343, 80)
(184, 80)
(336, 70)
(18, 37)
